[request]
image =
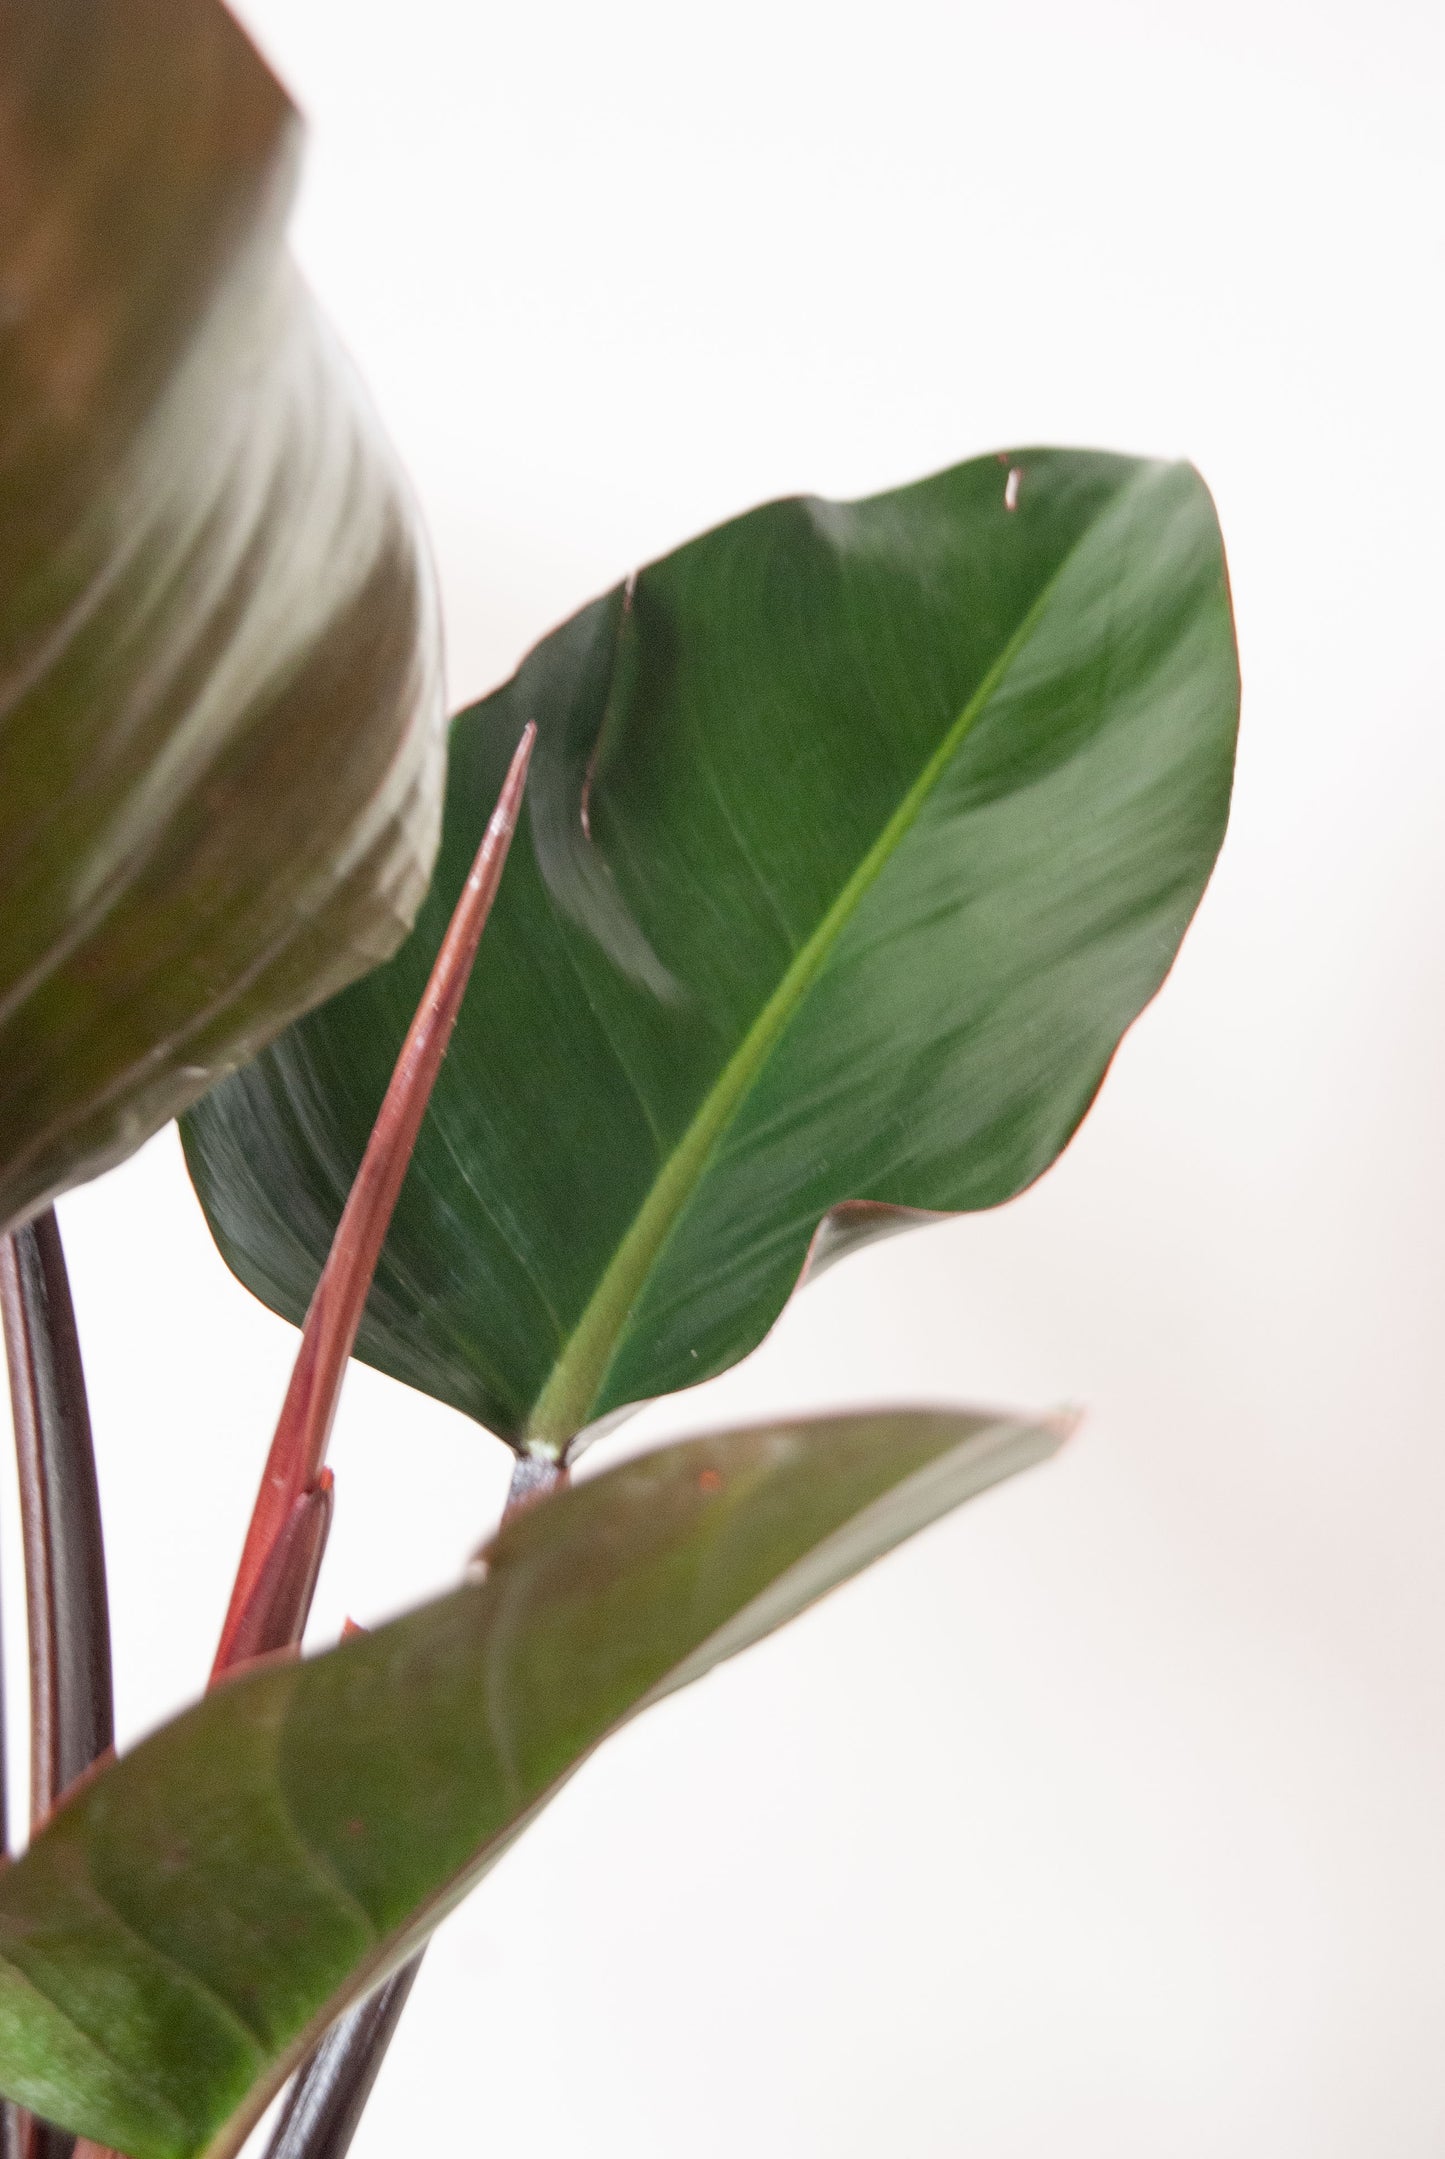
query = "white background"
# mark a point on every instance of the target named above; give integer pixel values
(1109, 1817)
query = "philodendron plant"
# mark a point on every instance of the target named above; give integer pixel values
(796, 890)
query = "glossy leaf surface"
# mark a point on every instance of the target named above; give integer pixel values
(220, 758)
(180, 1935)
(856, 836)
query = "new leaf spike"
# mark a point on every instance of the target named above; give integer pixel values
(299, 1447)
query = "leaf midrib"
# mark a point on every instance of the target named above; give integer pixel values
(566, 1401)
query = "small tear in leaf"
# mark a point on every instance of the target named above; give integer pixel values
(1011, 488)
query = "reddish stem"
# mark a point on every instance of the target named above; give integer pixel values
(299, 1447)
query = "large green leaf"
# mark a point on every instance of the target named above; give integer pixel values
(856, 836)
(220, 758)
(175, 1940)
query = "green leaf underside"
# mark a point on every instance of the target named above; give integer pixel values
(177, 1938)
(856, 836)
(221, 762)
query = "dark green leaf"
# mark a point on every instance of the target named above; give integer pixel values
(855, 838)
(179, 1937)
(220, 768)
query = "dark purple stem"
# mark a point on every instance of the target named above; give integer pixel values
(71, 1713)
(325, 2103)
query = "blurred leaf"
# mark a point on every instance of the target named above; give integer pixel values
(220, 770)
(856, 836)
(180, 1936)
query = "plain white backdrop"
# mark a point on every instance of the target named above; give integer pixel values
(1108, 1818)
